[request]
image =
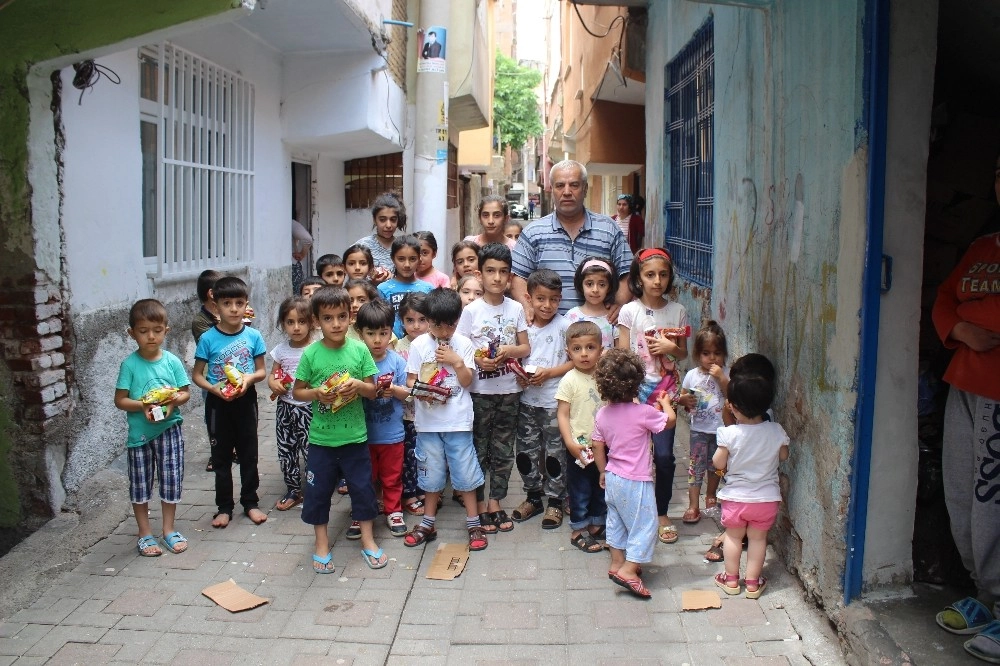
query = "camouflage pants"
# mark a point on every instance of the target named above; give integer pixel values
(541, 455)
(494, 424)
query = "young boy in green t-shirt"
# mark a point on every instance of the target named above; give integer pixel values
(332, 374)
(151, 385)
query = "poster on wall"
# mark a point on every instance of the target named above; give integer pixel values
(432, 44)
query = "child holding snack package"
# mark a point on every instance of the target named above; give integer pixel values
(332, 374)
(151, 385)
(414, 325)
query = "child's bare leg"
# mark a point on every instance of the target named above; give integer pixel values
(756, 551)
(694, 497)
(368, 540)
(431, 503)
(712, 486)
(732, 549)
(469, 498)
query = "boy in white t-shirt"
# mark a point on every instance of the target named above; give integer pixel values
(541, 456)
(499, 332)
(443, 358)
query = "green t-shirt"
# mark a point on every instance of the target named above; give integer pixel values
(138, 376)
(318, 362)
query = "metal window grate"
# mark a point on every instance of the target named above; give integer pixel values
(690, 112)
(206, 172)
(368, 177)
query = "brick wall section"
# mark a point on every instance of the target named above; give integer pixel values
(31, 340)
(397, 47)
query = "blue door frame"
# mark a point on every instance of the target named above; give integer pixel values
(876, 45)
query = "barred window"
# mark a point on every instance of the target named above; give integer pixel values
(196, 138)
(690, 111)
(368, 177)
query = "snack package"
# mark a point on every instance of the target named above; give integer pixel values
(234, 379)
(434, 391)
(282, 378)
(248, 314)
(382, 384)
(674, 332)
(491, 348)
(587, 454)
(330, 386)
(521, 371)
(159, 396)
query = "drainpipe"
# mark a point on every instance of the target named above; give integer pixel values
(876, 42)
(430, 155)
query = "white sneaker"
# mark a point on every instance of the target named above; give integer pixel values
(397, 526)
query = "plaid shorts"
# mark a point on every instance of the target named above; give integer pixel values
(165, 453)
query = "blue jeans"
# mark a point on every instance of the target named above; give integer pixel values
(664, 461)
(586, 497)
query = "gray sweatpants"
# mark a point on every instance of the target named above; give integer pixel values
(971, 467)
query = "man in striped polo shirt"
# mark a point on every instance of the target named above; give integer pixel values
(567, 236)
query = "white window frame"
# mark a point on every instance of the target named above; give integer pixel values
(205, 168)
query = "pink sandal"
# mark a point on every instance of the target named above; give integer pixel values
(722, 581)
(758, 584)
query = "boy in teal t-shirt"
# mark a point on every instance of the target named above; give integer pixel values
(338, 437)
(155, 440)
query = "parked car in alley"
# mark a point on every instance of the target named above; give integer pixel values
(518, 210)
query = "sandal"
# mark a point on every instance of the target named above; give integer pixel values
(500, 518)
(553, 518)
(325, 563)
(291, 499)
(414, 507)
(376, 560)
(146, 545)
(714, 554)
(634, 586)
(601, 532)
(667, 534)
(612, 574)
(691, 517)
(986, 644)
(722, 581)
(477, 539)
(758, 583)
(419, 535)
(585, 542)
(486, 522)
(969, 611)
(173, 540)
(525, 510)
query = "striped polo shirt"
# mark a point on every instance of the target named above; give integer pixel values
(545, 244)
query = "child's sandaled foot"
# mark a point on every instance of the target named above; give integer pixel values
(633, 585)
(714, 554)
(419, 535)
(255, 514)
(691, 517)
(486, 522)
(968, 616)
(711, 506)
(723, 580)
(175, 542)
(221, 519)
(477, 539)
(612, 574)
(553, 518)
(667, 534)
(148, 547)
(375, 560)
(323, 564)
(527, 509)
(502, 520)
(291, 499)
(585, 542)
(758, 585)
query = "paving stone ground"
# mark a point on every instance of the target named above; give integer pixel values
(530, 598)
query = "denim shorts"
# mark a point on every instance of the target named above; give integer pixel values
(440, 452)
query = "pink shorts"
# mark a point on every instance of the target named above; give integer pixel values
(758, 515)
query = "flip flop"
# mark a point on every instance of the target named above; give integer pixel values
(325, 561)
(972, 611)
(374, 560)
(634, 586)
(171, 540)
(986, 644)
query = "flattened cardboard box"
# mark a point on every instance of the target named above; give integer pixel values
(232, 597)
(449, 561)
(692, 600)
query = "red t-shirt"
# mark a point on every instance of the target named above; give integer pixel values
(972, 294)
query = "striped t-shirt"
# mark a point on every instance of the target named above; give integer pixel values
(545, 244)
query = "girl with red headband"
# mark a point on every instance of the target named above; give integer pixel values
(656, 328)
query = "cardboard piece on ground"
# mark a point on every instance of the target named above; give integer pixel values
(449, 561)
(232, 597)
(692, 600)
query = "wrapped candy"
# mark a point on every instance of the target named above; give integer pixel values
(424, 390)
(159, 396)
(282, 378)
(382, 384)
(331, 385)
(491, 348)
(521, 371)
(234, 380)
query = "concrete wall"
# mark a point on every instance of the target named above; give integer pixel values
(790, 166)
(101, 187)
